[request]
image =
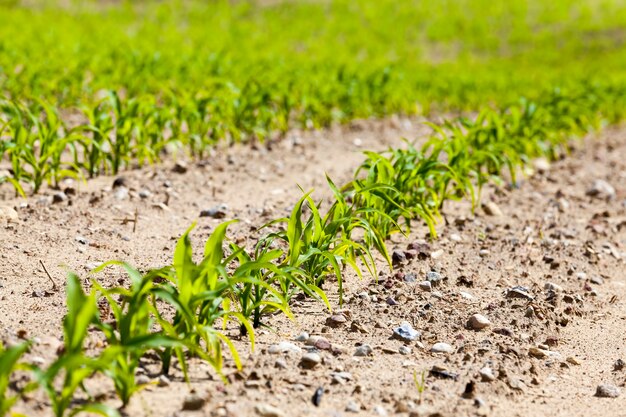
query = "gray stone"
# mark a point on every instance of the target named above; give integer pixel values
(280, 363)
(404, 350)
(478, 322)
(193, 402)
(607, 391)
(310, 360)
(487, 374)
(363, 350)
(163, 381)
(602, 190)
(302, 337)
(433, 276)
(441, 347)
(284, 347)
(405, 332)
(426, 286)
(267, 410)
(8, 214)
(491, 209)
(379, 410)
(352, 407)
(519, 292)
(217, 212)
(121, 193)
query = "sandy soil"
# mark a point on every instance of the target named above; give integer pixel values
(547, 355)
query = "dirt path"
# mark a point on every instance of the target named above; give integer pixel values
(565, 247)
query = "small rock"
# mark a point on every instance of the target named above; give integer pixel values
(317, 397)
(352, 407)
(478, 322)
(519, 292)
(391, 301)
(379, 410)
(537, 353)
(280, 363)
(163, 381)
(143, 194)
(406, 333)
(193, 402)
(119, 182)
(59, 197)
(404, 350)
(483, 252)
(336, 320)
(410, 277)
(541, 165)
(142, 379)
(310, 360)
(572, 360)
(456, 237)
(550, 286)
(597, 280)
(433, 276)
(8, 214)
(441, 347)
(487, 374)
(323, 344)
(81, 240)
(121, 193)
(341, 377)
(217, 212)
(426, 286)
(607, 391)
(437, 254)
(302, 337)
(467, 296)
(618, 365)
(266, 410)
(398, 257)
(516, 384)
(491, 209)
(284, 347)
(180, 167)
(602, 190)
(363, 350)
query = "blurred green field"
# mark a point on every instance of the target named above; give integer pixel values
(195, 72)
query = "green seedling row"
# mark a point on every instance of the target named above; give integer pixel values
(188, 309)
(88, 88)
(91, 88)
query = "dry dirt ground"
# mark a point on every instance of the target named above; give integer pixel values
(546, 348)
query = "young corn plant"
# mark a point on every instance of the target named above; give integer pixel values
(69, 371)
(131, 332)
(199, 295)
(317, 245)
(9, 363)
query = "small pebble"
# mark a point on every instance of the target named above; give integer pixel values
(267, 410)
(491, 209)
(426, 286)
(352, 407)
(487, 374)
(433, 276)
(478, 322)
(404, 350)
(363, 350)
(405, 332)
(607, 391)
(310, 360)
(441, 347)
(193, 402)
